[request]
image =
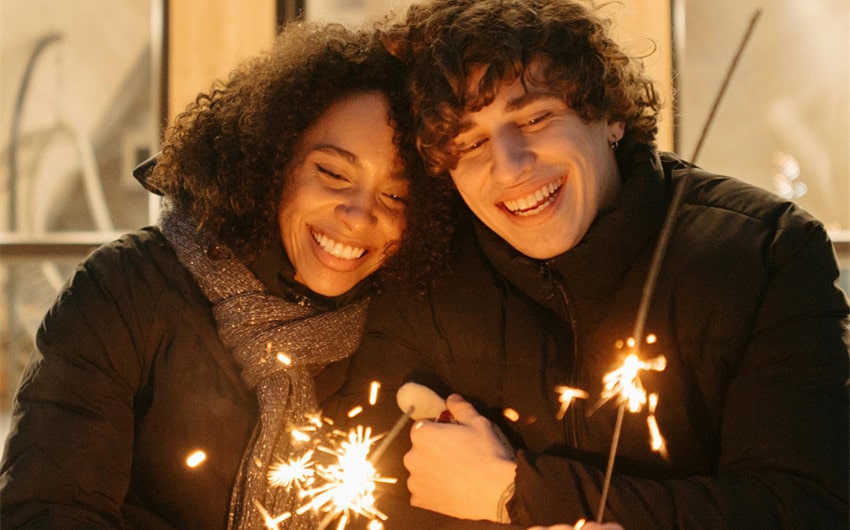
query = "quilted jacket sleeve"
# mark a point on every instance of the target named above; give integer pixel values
(68, 458)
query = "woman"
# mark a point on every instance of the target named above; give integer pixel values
(285, 189)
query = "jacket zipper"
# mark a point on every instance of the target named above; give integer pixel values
(550, 275)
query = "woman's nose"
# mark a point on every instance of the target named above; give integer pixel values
(357, 212)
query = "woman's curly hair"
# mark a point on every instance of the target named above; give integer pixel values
(446, 41)
(224, 158)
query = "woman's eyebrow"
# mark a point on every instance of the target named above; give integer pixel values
(332, 149)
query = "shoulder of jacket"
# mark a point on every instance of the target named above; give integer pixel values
(721, 193)
(142, 258)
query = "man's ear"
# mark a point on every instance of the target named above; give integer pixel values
(616, 128)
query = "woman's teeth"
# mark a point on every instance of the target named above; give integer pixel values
(533, 203)
(336, 249)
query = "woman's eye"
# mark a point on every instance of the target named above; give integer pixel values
(329, 172)
(397, 201)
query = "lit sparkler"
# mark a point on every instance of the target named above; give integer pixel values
(654, 270)
(335, 475)
(348, 483)
(623, 384)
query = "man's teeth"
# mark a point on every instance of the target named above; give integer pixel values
(534, 202)
(336, 249)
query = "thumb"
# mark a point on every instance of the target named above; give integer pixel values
(462, 411)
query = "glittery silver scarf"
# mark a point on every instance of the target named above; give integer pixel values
(261, 330)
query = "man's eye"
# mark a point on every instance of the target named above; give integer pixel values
(536, 120)
(468, 148)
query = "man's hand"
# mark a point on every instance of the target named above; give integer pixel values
(459, 469)
(581, 525)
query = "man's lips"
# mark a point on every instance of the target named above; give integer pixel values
(534, 202)
(335, 248)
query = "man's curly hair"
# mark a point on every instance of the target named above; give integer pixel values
(224, 158)
(446, 41)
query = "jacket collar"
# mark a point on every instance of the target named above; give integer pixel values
(594, 268)
(273, 268)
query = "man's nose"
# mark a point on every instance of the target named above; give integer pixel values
(512, 155)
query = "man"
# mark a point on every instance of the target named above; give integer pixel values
(546, 129)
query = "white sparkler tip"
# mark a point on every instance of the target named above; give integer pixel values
(422, 402)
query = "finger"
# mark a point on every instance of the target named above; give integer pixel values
(461, 409)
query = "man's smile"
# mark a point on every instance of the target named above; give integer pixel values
(535, 202)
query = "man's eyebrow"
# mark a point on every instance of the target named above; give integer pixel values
(528, 98)
(332, 149)
(518, 103)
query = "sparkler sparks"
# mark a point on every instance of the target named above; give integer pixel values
(298, 471)
(624, 385)
(566, 396)
(348, 482)
(335, 475)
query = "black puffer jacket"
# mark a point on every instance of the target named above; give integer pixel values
(128, 378)
(753, 401)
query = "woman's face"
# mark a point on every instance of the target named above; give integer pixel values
(342, 212)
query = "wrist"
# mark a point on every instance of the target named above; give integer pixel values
(502, 515)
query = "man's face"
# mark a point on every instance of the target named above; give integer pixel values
(533, 171)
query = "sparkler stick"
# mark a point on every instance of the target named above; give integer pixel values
(391, 435)
(661, 249)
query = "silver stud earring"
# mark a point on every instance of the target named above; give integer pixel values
(614, 144)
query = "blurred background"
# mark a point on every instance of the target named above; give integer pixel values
(86, 87)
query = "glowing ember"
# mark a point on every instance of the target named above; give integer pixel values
(656, 440)
(355, 411)
(373, 392)
(196, 458)
(566, 395)
(511, 414)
